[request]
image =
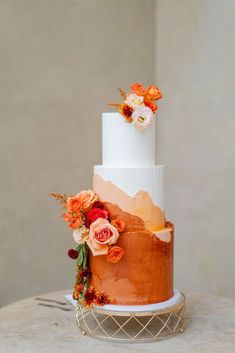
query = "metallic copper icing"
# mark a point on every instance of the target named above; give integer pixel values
(145, 273)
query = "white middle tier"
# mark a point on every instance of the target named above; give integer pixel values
(134, 179)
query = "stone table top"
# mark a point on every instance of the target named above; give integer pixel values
(27, 327)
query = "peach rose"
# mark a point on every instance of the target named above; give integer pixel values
(115, 253)
(119, 224)
(138, 89)
(153, 92)
(73, 204)
(87, 199)
(101, 234)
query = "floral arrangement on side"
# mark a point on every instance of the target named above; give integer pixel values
(94, 229)
(138, 106)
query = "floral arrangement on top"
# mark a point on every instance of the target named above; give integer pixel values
(138, 106)
(94, 229)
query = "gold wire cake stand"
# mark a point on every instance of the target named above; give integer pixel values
(137, 323)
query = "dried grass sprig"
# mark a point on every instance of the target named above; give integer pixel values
(116, 105)
(62, 198)
(123, 93)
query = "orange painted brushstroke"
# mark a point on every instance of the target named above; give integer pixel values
(144, 275)
(140, 205)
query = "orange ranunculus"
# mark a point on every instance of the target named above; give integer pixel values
(87, 199)
(138, 89)
(74, 221)
(68, 217)
(79, 287)
(149, 103)
(75, 295)
(153, 92)
(119, 224)
(115, 253)
(73, 204)
(77, 290)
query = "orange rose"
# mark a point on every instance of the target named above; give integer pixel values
(119, 224)
(149, 103)
(115, 254)
(101, 234)
(138, 89)
(87, 199)
(73, 204)
(153, 92)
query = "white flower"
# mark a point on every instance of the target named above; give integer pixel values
(80, 235)
(134, 101)
(142, 116)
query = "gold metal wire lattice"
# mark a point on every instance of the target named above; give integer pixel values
(131, 326)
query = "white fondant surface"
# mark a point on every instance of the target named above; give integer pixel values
(149, 307)
(125, 145)
(134, 179)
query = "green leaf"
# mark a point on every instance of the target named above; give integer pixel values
(81, 296)
(79, 247)
(80, 258)
(85, 261)
(82, 255)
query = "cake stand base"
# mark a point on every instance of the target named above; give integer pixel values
(137, 323)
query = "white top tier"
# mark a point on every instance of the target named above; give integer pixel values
(125, 145)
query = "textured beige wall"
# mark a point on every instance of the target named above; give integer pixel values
(195, 56)
(60, 62)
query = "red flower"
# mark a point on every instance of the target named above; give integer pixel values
(126, 111)
(87, 223)
(98, 204)
(89, 297)
(73, 254)
(94, 214)
(102, 298)
(85, 273)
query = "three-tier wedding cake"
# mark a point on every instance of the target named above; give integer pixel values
(124, 249)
